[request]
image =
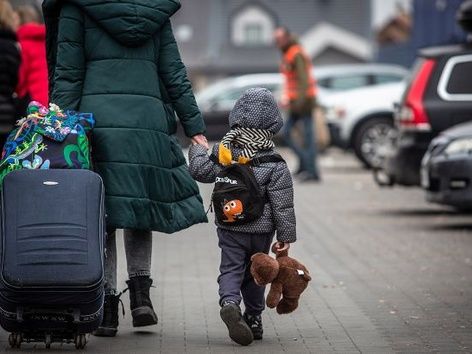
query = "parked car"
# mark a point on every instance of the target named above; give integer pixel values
(216, 100)
(439, 95)
(446, 168)
(362, 119)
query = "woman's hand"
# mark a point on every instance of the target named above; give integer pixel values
(282, 246)
(200, 139)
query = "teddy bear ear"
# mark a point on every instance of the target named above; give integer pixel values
(255, 255)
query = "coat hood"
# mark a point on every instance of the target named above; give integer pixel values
(131, 22)
(32, 31)
(256, 108)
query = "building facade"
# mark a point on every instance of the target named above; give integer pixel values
(218, 38)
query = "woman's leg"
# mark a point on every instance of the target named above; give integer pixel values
(109, 325)
(138, 248)
(110, 263)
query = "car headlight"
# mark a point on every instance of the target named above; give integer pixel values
(459, 146)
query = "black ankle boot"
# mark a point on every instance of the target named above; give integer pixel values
(109, 325)
(140, 302)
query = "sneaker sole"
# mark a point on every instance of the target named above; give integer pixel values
(238, 329)
(144, 316)
(105, 332)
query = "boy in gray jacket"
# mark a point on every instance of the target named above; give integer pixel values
(253, 121)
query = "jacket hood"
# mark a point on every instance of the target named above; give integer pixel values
(33, 31)
(256, 108)
(131, 22)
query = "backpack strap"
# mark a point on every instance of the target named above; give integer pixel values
(256, 161)
(266, 159)
(214, 158)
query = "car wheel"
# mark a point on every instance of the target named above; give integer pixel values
(372, 139)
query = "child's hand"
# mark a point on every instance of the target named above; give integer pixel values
(200, 139)
(282, 246)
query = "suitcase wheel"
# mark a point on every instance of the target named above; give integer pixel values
(47, 341)
(15, 340)
(80, 341)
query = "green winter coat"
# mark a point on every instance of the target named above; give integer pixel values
(119, 60)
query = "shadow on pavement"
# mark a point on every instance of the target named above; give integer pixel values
(145, 333)
(423, 212)
(451, 227)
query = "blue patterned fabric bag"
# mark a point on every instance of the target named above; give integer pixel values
(48, 138)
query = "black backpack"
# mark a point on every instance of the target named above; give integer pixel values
(237, 197)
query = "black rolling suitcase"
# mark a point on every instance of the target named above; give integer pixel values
(52, 255)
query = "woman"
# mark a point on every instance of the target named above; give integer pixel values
(33, 78)
(9, 63)
(120, 61)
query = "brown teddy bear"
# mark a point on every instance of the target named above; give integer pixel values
(289, 279)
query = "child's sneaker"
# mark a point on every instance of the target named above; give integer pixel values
(238, 329)
(255, 324)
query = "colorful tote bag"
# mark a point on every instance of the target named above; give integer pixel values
(48, 138)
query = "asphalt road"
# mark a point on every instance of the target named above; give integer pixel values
(391, 273)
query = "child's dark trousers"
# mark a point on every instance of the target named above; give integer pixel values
(235, 277)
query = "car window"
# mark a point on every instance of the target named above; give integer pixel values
(226, 99)
(326, 83)
(454, 83)
(386, 78)
(459, 80)
(229, 95)
(340, 83)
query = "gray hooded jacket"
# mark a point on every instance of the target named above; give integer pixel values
(256, 109)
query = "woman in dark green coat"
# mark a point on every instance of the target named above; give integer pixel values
(119, 60)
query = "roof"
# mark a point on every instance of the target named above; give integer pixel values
(322, 26)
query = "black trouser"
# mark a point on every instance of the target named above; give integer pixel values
(235, 278)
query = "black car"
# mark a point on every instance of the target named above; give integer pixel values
(446, 169)
(438, 96)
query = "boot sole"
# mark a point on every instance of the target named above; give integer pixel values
(144, 316)
(238, 329)
(105, 332)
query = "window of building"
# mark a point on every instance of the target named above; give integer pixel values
(252, 26)
(253, 34)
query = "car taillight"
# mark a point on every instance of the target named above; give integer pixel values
(412, 115)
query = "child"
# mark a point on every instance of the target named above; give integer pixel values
(253, 121)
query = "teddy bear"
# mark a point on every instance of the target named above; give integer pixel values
(288, 278)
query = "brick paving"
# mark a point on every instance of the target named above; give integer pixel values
(391, 274)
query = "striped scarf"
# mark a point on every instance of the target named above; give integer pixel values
(250, 140)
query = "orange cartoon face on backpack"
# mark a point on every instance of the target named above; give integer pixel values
(233, 210)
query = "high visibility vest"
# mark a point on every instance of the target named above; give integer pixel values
(288, 70)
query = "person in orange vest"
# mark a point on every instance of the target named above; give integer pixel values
(299, 97)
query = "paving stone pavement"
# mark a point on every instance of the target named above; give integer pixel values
(390, 274)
